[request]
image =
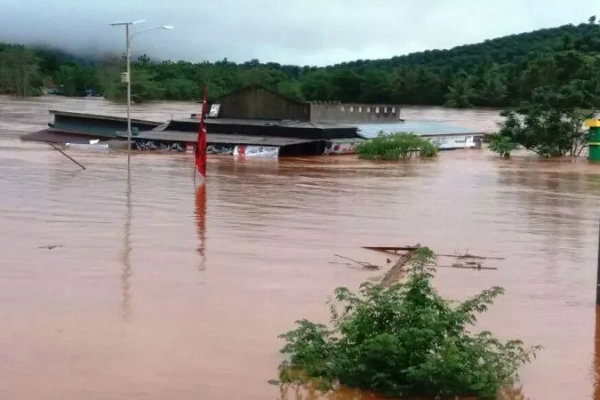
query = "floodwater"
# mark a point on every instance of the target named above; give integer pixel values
(157, 289)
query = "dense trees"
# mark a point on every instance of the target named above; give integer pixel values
(551, 124)
(499, 72)
(19, 71)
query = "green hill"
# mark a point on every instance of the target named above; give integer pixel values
(497, 72)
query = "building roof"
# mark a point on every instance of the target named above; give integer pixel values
(99, 116)
(286, 123)
(58, 136)
(220, 138)
(252, 87)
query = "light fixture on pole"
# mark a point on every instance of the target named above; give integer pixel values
(126, 77)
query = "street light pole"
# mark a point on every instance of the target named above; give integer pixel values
(128, 50)
(128, 38)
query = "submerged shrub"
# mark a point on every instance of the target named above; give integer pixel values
(502, 145)
(404, 340)
(395, 146)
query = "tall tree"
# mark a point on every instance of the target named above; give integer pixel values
(19, 71)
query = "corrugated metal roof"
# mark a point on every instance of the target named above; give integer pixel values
(221, 138)
(101, 116)
(267, 122)
(60, 136)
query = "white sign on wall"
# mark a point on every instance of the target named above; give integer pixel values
(256, 151)
(214, 111)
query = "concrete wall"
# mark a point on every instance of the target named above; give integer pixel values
(259, 103)
(353, 112)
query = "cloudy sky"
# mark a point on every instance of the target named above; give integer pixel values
(307, 32)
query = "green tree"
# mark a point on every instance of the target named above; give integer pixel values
(404, 340)
(502, 144)
(375, 87)
(144, 85)
(460, 93)
(552, 123)
(291, 89)
(502, 72)
(19, 72)
(396, 146)
(492, 91)
(317, 86)
(75, 79)
(181, 89)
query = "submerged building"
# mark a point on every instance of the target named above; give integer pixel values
(261, 103)
(253, 121)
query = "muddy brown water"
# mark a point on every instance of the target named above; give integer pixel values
(158, 290)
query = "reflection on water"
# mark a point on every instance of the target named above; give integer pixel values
(297, 392)
(596, 368)
(167, 289)
(200, 214)
(126, 273)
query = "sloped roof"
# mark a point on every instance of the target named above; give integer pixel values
(253, 87)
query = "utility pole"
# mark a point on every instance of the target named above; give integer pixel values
(127, 76)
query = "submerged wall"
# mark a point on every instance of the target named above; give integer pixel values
(353, 112)
(260, 103)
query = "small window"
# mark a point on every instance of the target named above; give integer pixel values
(343, 108)
(393, 110)
(359, 109)
(385, 110)
(351, 108)
(368, 110)
(377, 110)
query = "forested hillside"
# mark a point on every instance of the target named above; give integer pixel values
(498, 72)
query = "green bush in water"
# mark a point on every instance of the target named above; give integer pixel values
(395, 146)
(404, 340)
(502, 145)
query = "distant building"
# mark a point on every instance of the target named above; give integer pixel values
(353, 112)
(257, 102)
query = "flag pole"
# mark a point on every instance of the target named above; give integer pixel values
(202, 139)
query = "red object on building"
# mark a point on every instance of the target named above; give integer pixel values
(201, 145)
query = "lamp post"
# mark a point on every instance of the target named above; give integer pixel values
(127, 76)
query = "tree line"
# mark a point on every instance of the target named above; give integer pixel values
(502, 72)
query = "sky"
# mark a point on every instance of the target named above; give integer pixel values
(308, 32)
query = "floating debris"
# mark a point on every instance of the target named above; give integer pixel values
(51, 246)
(363, 264)
(472, 256)
(398, 270)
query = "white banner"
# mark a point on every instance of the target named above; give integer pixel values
(340, 148)
(256, 151)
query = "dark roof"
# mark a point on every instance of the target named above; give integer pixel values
(57, 136)
(99, 116)
(252, 87)
(221, 138)
(285, 123)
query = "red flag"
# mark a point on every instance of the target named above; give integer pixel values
(201, 145)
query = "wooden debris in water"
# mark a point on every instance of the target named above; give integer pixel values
(477, 266)
(392, 249)
(363, 264)
(472, 256)
(397, 271)
(396, 249)
(51, 246)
